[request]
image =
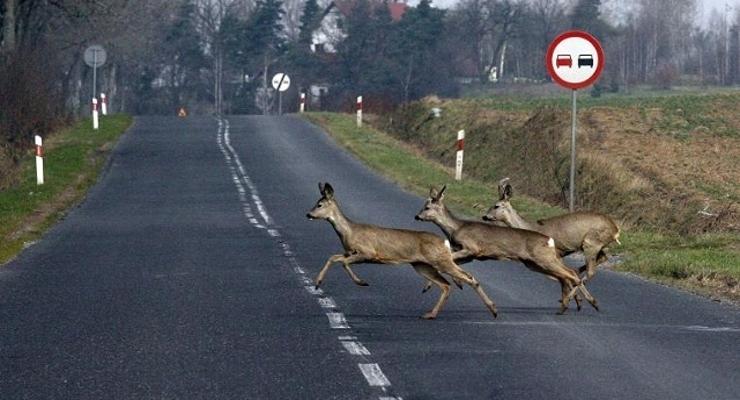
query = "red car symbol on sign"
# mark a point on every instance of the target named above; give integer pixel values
(564, 60)
(585, 59)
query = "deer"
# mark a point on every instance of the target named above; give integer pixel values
(483, 241)
(588, 232)
(428, 254)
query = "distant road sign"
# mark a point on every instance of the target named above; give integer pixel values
(281, 82)
(575, 59)
(95, 56)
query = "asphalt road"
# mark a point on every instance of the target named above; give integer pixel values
(184, 276)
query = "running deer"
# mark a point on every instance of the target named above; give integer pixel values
(580, 231)
(428, 254)
(483, 241)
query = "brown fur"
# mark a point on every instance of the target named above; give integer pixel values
(482, 241)
(588, 232)
(370, 244)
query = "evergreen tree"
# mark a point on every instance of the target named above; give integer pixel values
(183, 56)
(417, 52)
(309, 22)
(364, 64)
(587, 16)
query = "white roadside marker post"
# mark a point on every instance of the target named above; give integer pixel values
(95, 113)
(39, 160)
(103, 104)
(303, 102)
(359, 111)
(459, 161)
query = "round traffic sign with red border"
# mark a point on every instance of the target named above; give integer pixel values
(575, 59)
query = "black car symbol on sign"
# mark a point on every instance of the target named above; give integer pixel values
(585, 59)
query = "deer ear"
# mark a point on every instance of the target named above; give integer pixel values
(507, 192)
(321, 187)
(328, 191)
(433, 193)
(502, 187)
(441, 194)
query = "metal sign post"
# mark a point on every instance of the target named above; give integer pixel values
(574, 60)
(95, 56)
(572, 197)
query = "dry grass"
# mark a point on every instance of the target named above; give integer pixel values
(665, 164)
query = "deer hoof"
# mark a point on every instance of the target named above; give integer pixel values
(362, 283)
(429, 315)
(595, 306)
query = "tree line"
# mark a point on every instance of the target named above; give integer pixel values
(219, 55)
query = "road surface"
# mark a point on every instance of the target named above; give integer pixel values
(185, 275)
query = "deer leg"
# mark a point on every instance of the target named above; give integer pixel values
(564, 293)
(591, 299)
(346, 261)
(567, 291)
(429, 285)
(352, 275)
(433, 276)
(329, 262)
(464, 254)
(593, 251)
(460, 254)
(569, 281)
(458, 273)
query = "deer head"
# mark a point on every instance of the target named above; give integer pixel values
(326, 207)
(502, 209)
(433, 206)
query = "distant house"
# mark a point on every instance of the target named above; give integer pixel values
(329, 34)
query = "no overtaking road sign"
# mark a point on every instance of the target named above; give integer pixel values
(575, 59)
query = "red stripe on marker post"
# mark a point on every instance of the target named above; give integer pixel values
(95, 113)
(103, 104)
(359, 111)
(459, 161)
(39, 160)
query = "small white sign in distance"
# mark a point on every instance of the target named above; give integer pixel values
(95, 56)
(281, 82)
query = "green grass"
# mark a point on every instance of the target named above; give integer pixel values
(72, 160)
(682, 111)
(689, 261)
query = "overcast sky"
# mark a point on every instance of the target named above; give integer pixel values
(704, 7)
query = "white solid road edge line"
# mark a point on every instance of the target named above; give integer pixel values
(374, 375)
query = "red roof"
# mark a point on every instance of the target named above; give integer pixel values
(396, 9)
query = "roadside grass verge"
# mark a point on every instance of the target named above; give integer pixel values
(708, 264)
(73, 158)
